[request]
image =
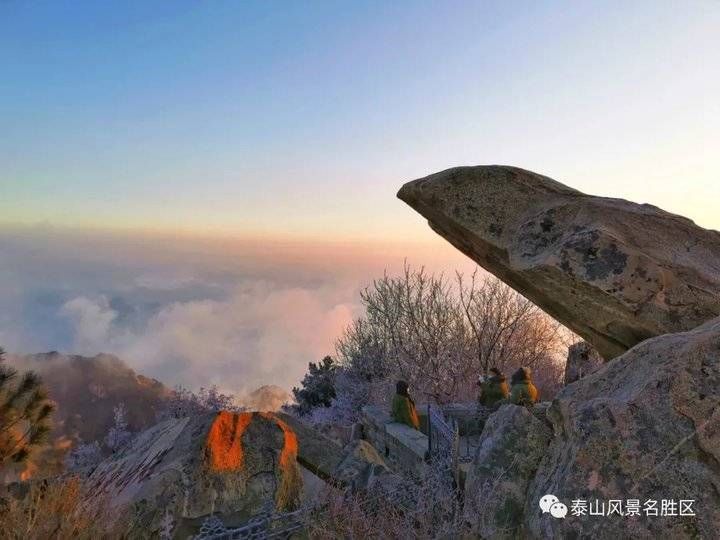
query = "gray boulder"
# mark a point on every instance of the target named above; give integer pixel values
(316, 452)
(582, 360)
(180, 471)
(510, 449)
(613, 271)
(646, 426)
(539, 411)
(361, 466)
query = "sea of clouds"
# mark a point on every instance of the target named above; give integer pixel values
(192, 311)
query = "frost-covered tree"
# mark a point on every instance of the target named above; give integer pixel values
(84, 455)
(440, 334)
(353, 393)
(25, 412)
(118, 435)
(184, 402)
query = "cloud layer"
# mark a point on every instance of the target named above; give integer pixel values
(190, 311)
(259, 334)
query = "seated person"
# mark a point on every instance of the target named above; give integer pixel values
(403, 407)
(493, 389)
(523, 391)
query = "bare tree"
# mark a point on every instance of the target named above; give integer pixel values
(507, 329)
(118, 435)
(440, 334)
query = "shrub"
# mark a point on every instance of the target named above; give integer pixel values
(184, 402)
(59, 510)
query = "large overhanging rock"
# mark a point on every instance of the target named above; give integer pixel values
(179, 472)
(614, 271)
(645, 426)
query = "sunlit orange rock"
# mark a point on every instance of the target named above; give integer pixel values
(230, 464)
(224, 441)
(289, 474)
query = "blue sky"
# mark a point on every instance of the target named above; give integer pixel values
(303, 119)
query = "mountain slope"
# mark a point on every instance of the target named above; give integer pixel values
(87, 389)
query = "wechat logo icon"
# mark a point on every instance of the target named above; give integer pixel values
(550, 503)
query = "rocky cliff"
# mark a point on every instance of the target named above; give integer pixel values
(637, 436)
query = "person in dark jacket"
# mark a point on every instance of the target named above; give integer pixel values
(403, 406)
(523, 391)
(493, 389)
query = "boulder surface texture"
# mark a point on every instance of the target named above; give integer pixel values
(509, 452)
(582, 360)
(232, 465)
(613, 271)
(645, 426)
(361, 466)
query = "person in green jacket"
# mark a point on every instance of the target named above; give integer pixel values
(493, 389)
(523, 391)
(403, 406)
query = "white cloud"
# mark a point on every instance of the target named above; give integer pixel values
(260, 334)
(92, 321)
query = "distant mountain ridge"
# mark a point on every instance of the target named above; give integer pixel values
(266, 398)
(87, 389)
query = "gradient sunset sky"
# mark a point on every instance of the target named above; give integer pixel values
(302, 119)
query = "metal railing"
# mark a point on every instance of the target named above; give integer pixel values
(443, 442)
(263, 526)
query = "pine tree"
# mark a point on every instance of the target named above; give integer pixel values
(317, 387)
(24, 413)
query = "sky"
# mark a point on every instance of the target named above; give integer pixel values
(204, 187)
(302, 119)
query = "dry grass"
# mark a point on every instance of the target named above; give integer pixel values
(354, 517)
(57, 510)
(424, 510)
